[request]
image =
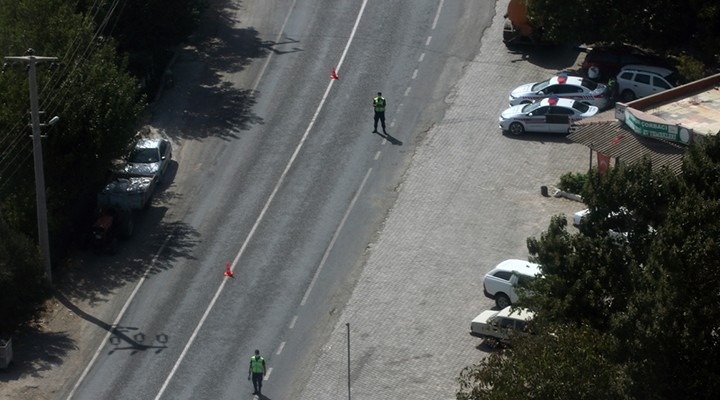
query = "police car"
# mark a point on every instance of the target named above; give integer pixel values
(570, 87)
(551, 114)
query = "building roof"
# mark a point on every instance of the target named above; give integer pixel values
(695, 105)
(615, 139)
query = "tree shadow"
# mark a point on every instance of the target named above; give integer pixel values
(92, 277)
(35, 352)
(557, 58)
(203, 100)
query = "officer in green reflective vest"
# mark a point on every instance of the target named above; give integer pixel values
(257, 372)
(379, 106)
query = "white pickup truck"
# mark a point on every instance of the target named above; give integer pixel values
(499, 326)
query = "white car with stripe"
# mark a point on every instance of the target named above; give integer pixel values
(569, 87)
(551, 114)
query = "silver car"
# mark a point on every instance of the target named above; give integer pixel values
(149, 157)
(569, 87)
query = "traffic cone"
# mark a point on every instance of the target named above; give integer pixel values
(227, 270)
(333, 74)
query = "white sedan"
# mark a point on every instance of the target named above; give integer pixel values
(551, 114)
(570, 87)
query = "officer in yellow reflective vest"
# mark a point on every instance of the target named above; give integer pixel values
(257, 372)
(379, 106)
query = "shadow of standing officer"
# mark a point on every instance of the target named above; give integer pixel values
(379, 107)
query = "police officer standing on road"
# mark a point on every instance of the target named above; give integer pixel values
(379, 106)
(257, 372)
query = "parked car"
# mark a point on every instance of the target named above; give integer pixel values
(498, 327)
(570, 87)
(620, 223)
(551, 114)
(610, 59)
(635, 81)
(499, 283)
(149, 157)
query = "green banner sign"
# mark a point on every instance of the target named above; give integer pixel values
(657, 130)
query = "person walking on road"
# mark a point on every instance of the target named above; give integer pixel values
(379, 106)
(257, 372)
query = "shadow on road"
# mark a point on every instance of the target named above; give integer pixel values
(203, 77)
(93, 277)
(389, 138)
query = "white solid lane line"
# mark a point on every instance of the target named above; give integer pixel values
(264, 210)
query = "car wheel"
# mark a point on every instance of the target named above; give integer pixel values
(628, 95)
(502, 300)
(516, 128)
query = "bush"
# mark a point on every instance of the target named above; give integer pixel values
(690, 68)
(22, 280)
(572, 182)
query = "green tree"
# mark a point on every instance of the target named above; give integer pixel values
(97, 101)
(22, 281)
(574, 362)
(648, 297)
(667, 26)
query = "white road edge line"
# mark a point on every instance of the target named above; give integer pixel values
(334, 238)
(437, 14)
(262, 213)
(118, 318)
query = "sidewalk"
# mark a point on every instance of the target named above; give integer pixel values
(469, 200)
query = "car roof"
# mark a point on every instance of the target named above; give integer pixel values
(569, 80)
(523, 267)
(647, 68)
(148, 143)
(561, 101)
(522, 314)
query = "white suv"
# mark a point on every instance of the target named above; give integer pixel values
(499, 283)
(635, 81)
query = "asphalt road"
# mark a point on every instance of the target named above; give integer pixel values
(279, 175)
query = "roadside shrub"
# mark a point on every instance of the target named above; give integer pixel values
(22, 280)
(572, 182)
(690, 68)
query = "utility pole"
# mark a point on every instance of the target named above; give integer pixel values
(348, 346)
(32, 60)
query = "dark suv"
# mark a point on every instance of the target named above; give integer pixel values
(610, 59)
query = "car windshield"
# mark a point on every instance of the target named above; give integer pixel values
(144, 156)
(589, 84)
(540, 85)
(582, 107)
(531, 107)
